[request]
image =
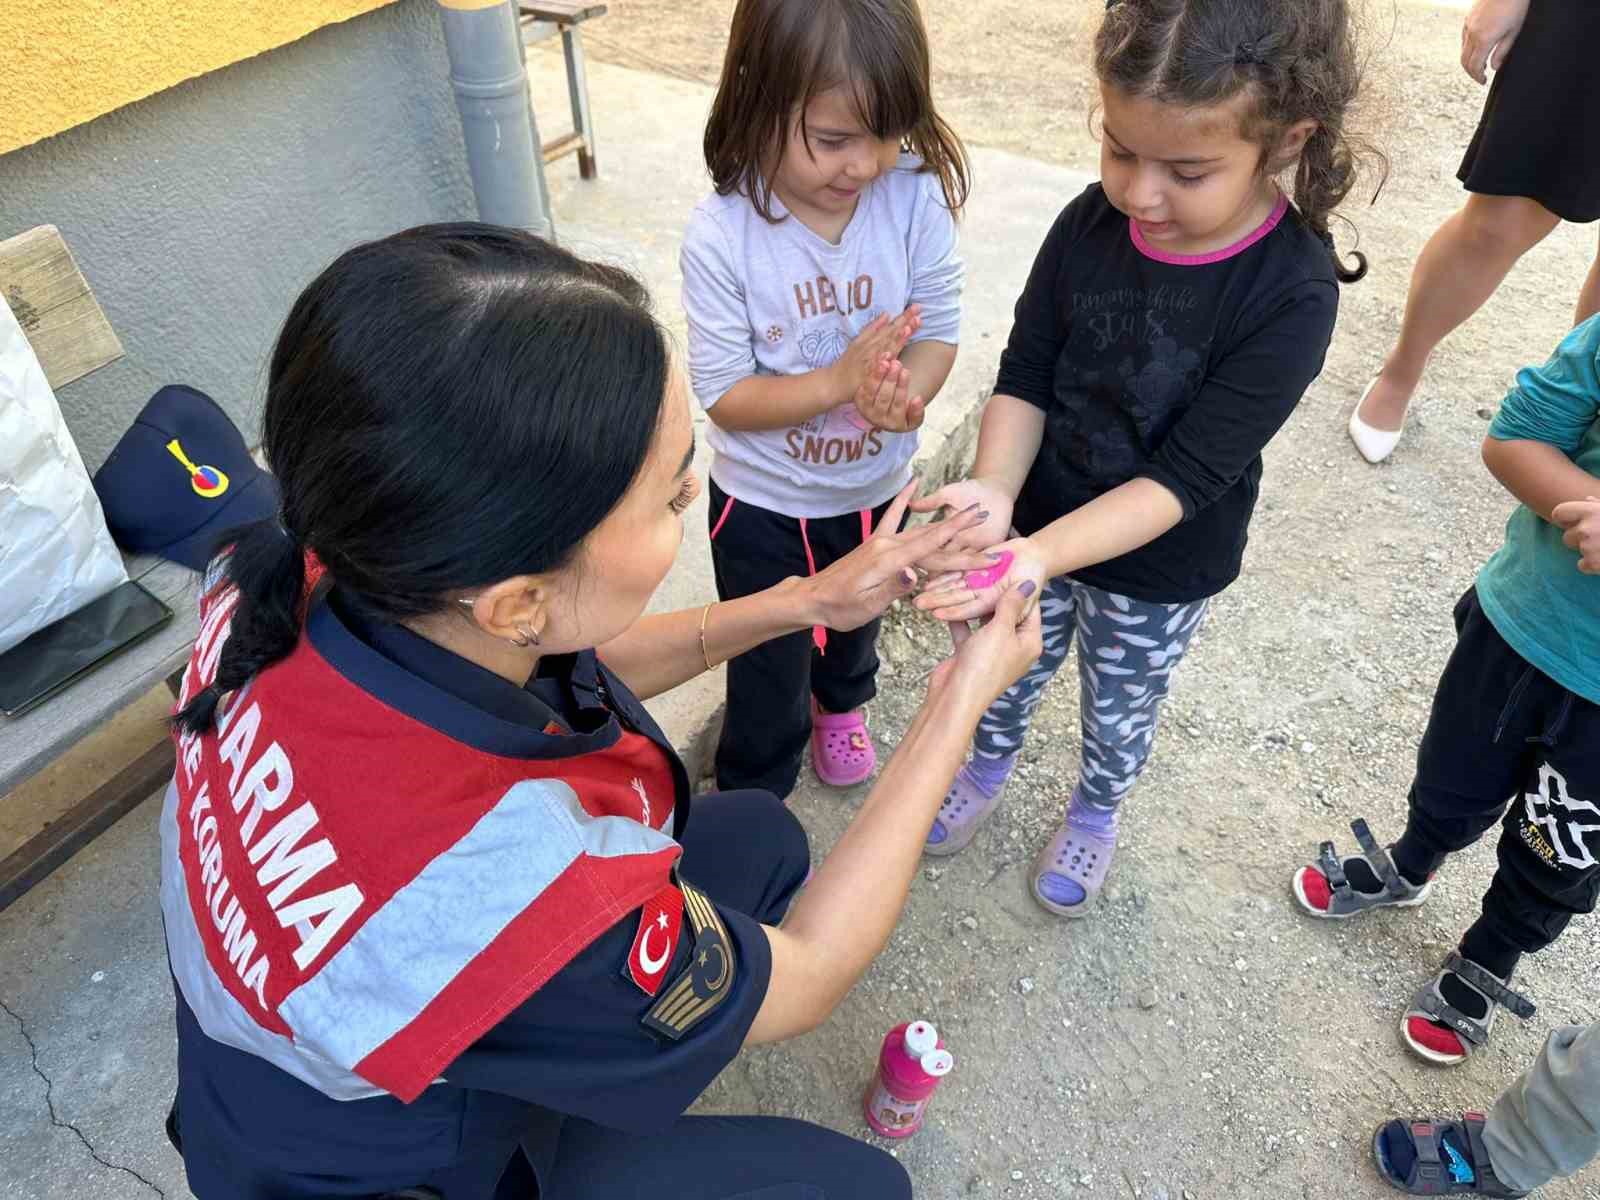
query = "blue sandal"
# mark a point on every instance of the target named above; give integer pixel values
(1457, 1165)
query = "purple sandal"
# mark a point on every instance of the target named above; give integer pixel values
(1072, 868)
(966, 806)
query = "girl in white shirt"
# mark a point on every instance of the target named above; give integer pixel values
(822, 285)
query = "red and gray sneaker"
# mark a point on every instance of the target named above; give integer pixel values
(1330, 888)
(1441, 1032)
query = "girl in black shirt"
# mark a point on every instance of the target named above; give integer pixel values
(1175, 315)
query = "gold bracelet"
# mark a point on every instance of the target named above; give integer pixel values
(705, 613)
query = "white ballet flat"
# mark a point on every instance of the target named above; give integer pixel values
(1375, 444)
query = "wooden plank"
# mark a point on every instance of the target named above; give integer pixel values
(567, 143)
(51, 299)
(31, 742)
(84, 821)
(565, 12)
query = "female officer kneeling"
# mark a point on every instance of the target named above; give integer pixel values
(436, 905)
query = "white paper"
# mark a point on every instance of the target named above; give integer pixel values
(56, 554)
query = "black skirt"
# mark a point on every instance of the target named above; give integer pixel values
(1539, 135)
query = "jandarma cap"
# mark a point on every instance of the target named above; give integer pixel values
(181, 478)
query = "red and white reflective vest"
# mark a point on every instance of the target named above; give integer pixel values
(356, 897)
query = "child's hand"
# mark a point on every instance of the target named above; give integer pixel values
(1581, 520)
(883, 401)
(883, 338)
(951, 596)
(956, 496)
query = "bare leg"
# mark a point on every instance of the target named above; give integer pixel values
(1589, 297)
(1459, 268)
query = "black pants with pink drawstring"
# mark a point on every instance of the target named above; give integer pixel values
(767, 721)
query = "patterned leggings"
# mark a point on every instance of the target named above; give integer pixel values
(1127, 652)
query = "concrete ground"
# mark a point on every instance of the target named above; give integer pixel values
(1196, 1038)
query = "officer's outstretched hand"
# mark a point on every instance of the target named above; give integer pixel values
(861, 585)
(991, 658)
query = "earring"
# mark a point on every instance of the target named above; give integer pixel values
(525, 636)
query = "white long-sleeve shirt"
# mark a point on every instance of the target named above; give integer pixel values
(777, 299)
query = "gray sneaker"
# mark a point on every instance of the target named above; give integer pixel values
(1325, 890)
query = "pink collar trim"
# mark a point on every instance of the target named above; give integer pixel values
(1200, 260)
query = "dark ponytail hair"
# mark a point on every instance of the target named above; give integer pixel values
(1296, 59)
(445, 408)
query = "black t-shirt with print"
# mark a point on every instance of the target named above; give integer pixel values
(1167, 368)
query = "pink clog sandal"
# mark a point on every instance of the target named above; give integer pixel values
(841, 751)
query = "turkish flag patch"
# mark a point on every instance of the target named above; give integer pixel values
(659, 926)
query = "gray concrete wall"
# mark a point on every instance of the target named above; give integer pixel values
(199, 213)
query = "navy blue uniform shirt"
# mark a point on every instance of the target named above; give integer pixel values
(576, 1047)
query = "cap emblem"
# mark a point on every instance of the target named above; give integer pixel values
(206, 481)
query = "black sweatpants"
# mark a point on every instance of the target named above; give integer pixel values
(767, 722)
(747, 852)
(1502, 731)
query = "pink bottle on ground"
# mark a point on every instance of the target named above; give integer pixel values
(911, 1064)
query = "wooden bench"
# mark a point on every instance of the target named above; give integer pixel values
(546, 19)
(71, 337)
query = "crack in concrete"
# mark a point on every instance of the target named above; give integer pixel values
(50, 1105)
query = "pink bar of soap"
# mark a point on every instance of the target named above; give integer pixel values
(978, 580)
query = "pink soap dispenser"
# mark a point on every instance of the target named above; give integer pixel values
(910, 1065)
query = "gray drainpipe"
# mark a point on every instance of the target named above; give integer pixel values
(490, 80)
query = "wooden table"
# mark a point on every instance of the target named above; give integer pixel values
(545, 18)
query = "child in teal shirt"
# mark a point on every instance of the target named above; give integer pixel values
(1516, 719)
(1538, 602)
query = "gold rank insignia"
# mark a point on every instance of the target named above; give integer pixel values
(705, 982)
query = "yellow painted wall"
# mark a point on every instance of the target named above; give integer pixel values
(63, 62)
